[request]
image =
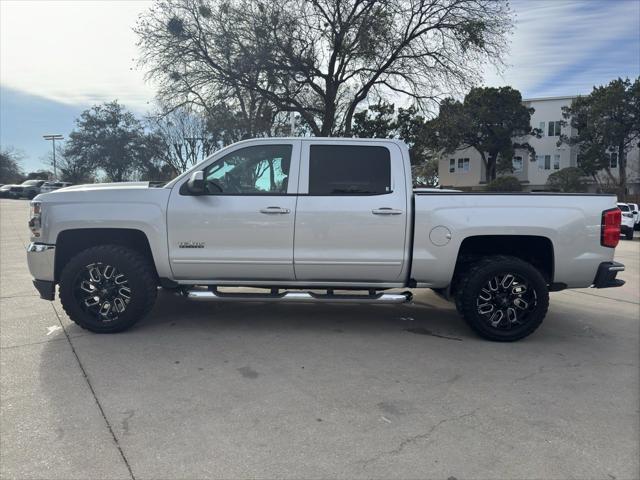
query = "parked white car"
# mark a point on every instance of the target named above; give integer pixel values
(295, 216)
(52, 186)
(636, 215)
(626, 223)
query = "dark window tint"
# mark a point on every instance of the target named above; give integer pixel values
(349, 170)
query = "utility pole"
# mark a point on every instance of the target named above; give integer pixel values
(53, 139)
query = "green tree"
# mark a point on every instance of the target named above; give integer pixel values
(382, 121)
(319, 58)
(109, 138)
(493, 121)
(605, 122)
(38, 175)
(10, 171)
(507, 183)
(567, 180)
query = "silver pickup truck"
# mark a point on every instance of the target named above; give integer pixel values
(317, 220)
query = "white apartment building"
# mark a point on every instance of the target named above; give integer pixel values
(465, 170)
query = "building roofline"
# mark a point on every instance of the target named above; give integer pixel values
(540, 99)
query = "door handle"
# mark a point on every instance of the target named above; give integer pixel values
(274, 210)
(386, 211)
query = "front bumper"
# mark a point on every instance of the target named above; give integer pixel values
(40, 257)
(41, 261)
(606, 276)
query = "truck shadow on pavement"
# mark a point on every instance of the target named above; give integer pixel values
(428, 315)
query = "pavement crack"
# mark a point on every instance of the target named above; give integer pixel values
(544, 368)
(95, 397)
(3, 297)
(415, 438)
(8, 347)
(603, 297)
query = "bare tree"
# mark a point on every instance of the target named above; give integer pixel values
(184, 136)
(10, 170)
(319, 58)
(75, 168)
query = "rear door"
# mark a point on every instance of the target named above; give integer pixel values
(351, 218)
(243, 228)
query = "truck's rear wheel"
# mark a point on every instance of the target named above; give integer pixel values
(503, 298)
(108, 288)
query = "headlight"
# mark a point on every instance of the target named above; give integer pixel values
(35, 220)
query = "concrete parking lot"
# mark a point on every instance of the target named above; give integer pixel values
(284, 391)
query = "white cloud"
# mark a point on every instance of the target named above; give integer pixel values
(576, 43)
(83, 52)
(73, 52)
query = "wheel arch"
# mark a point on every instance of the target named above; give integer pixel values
(536, 250)
(72, 241)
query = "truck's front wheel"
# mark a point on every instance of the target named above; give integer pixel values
(503, 298)
(107, 288)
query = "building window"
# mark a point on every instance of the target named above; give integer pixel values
(613, 160)
(556, 162)
(517, 164)
(452, 165)
(541, 127)
(544, 162)
(554, 129)
(463, 165)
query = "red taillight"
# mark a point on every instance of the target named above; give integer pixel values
(610, 227)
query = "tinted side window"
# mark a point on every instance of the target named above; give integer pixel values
(261, 169)
(349, 170)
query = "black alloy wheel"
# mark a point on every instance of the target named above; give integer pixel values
(502, 298)
(108, 288)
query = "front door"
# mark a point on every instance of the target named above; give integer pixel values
(242, 229)
(351, 220)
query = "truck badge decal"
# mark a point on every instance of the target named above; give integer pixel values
(191, 245)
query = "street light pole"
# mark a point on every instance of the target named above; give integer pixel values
(53, 139)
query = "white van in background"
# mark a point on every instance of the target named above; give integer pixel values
(636, 215)
(627, 222)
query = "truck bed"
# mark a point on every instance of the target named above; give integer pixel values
(571, 222)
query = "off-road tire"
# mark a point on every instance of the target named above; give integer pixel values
(629, 234)
(478, 276)
(140, 277)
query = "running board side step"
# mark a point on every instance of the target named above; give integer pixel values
(297, 297)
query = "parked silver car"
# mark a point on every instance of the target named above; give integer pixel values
(51, 186)
(10, 191)
(31, 188)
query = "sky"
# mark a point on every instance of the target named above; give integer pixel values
(58, 58)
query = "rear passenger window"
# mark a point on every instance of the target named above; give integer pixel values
(349, 170)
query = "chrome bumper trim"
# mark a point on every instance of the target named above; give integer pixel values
(40, 258)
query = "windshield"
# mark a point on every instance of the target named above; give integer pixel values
(31, 182)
